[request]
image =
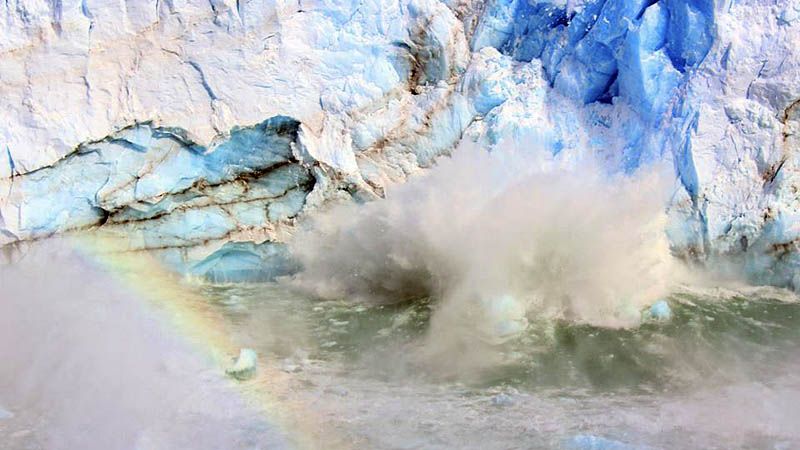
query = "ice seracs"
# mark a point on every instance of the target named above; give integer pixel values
(185, 126)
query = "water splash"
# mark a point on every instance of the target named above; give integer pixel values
(498, 239)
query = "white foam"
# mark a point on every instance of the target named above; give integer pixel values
(495, 237)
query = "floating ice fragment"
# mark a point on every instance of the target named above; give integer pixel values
(289, 367)
(502, 400)
(5, 414)
(244, 367)
(660, 310)
(591, 442)
(383, 332)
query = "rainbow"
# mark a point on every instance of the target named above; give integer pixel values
(183, 308)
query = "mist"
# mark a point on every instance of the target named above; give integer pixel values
(85, 364)
(498, 239)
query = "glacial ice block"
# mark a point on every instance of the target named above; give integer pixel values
(496, 26)
(646, 76)
(589, 68)
(246, 262)
(691, 31)
(488, 82)
(592, 442)
(660, 310)
(502, 400)
(532, 25)
(244, 367)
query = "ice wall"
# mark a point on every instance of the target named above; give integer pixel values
(712, 87)
(186, 125)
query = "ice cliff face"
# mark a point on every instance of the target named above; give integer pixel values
(186, 125)
(196, 128)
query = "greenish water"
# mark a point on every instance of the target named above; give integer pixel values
(706, 338)
(722, 372)
(83, 351)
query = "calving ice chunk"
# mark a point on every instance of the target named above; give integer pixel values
(498, 240)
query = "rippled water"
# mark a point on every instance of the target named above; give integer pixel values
(91, 362)
(721, 373)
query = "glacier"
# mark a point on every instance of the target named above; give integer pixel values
(206, 131)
